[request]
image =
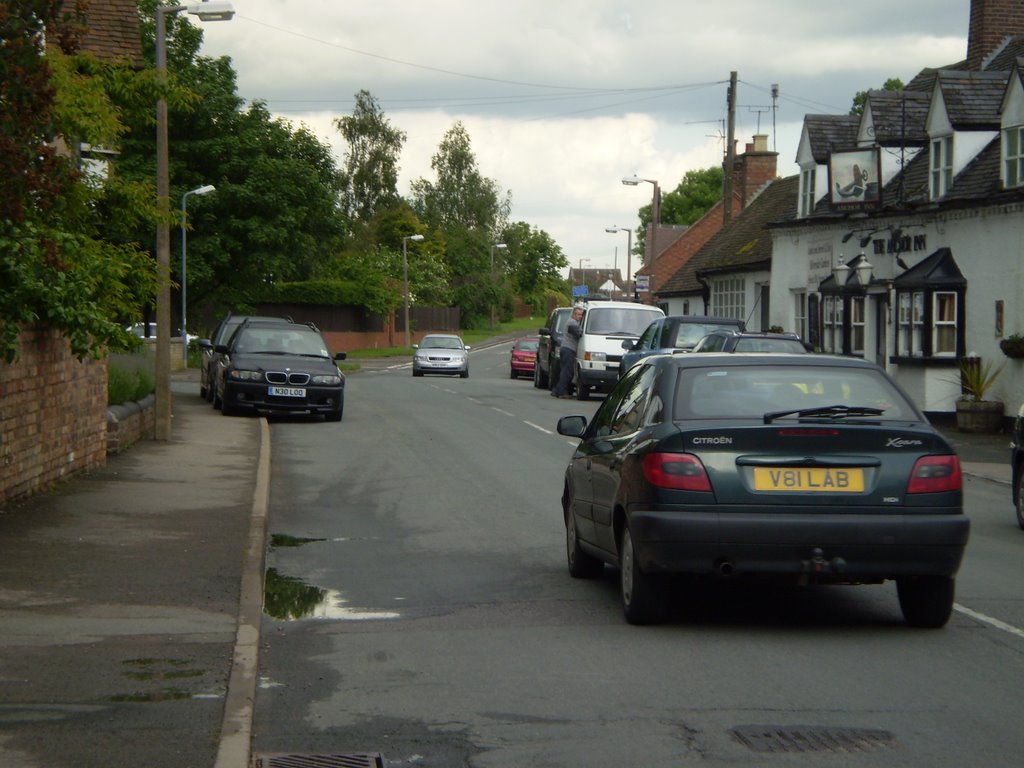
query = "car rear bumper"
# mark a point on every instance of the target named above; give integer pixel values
(826, 547)
(255, 397)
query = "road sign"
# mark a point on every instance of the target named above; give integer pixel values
(643, 283)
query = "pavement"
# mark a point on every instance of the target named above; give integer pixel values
(131, 598)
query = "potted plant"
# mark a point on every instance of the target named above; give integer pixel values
(975, 413)
(1012, 346)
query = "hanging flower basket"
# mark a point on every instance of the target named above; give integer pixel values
(1012, 346)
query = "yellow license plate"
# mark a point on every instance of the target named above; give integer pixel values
(808, 480)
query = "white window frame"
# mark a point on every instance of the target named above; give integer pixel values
(728, 297)
(944, 327)
(941, 166)
(807, 181)
(800, 313)
(1013, 156)
(858, 309)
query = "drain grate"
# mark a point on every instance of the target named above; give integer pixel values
(318, 761)
(810, 738)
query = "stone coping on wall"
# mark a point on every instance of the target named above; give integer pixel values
(128, 423)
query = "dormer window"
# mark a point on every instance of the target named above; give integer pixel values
(1013, 157)
(941, 166)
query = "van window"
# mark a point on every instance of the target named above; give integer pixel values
(610, 321)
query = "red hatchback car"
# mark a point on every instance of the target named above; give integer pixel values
(524, 355)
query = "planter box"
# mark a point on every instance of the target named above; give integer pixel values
(979, 415)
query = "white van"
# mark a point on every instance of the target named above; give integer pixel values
(606, 325)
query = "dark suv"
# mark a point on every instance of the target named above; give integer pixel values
(221, 334)
(729, 340)
(545, 369)
(278, 367)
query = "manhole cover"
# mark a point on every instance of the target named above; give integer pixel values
(810, 738)
(318, 761)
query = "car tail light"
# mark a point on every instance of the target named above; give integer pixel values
(933, 474)
(681, 471)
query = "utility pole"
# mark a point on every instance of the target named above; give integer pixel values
(730, 154)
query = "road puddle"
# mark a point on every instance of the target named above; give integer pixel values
(290, 599)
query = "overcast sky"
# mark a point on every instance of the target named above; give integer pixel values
(562, 98)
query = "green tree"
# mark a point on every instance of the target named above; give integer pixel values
(57, 268)
(861, 97)
(532, 265)
(274, 215)
(695, 195)
(467, 209)
(369, 178)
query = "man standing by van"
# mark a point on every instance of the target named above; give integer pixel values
(567, 353)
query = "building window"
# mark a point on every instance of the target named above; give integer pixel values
(1013, 154)
(944, 312)
(728, 297)
(807, 192)
(832, 325)
(941, 166)
(800, 313)
(857, 325)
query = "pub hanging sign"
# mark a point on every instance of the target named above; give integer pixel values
(854, 179)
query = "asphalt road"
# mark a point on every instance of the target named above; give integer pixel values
(418, 606)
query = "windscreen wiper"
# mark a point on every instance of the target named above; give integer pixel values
(825, 411)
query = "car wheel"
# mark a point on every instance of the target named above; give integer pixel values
(512, 373)
(553, 374)
(416, 373)
(215, 398)
(926, 601)
(1020, 497)
(464, 375)
(225, 404)
(581, 565)
(640, 600)
(540, 381)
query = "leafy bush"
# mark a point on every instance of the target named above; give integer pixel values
(126, 384)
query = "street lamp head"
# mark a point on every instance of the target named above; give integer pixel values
(212, 11)
(414, 238)
(632, 181)
(499, 246)
(204, 190)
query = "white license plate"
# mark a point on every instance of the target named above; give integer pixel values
(286, 392)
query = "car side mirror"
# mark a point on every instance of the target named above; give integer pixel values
(572, 426)
(221, 349)
(544, 331)
(628, 345)
(340, 355)
(468, 348)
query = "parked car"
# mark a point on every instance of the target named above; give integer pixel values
(440, 353)
(524, 357)
(221, 334)
(608, 326)
(279, 368)
(805, 468)
(545, 373)
(1017, 465)
(673, 333)
(731, 340)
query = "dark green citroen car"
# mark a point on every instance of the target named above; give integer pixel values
(806, 468)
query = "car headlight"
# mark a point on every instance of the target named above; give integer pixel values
(243, 375)
(327, 379)
(598, 357)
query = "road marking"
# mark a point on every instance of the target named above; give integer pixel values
(989, 620)
(503, 413)
(538, 427)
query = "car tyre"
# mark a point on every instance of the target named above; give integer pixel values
(553, 374)
(416, 373)
(926, 601)
(540, 380)
(581, 565)
(640, 599)
(336, 415)
(225, 406)
(513, 374)
(582, 390)
(464, 375)
(1020, 497)
(215, 399)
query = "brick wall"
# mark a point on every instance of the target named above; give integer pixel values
(992, 21)
(53, 415)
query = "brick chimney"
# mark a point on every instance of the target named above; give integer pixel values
(992, 21)
(754, 168)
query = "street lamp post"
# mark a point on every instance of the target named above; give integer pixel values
(629, 255)
(203, 190)
(206, 11)
(499, 246)
(632, 181)
(405, 282)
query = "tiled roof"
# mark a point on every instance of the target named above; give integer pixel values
(112, 32)
(829, 132)
(973, 99)
(900, 116)
(745, 242)
(1007, 56)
